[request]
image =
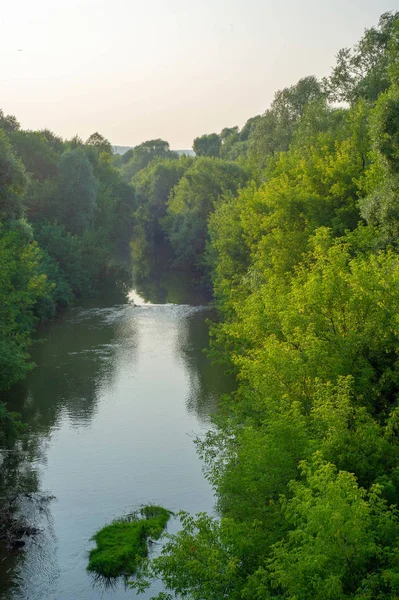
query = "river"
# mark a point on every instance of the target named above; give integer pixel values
(118, 394)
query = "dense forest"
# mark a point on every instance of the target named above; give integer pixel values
(291, 224)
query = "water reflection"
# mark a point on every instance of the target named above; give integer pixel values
(16, 475)
(21, 506)
(76, 357)
(116, 395)
(169, 286)
(207, 382)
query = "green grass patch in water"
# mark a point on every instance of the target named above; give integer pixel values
(124, 543)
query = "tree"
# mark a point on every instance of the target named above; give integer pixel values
(36, 152)
(207, 145)
(99, 142)
(21, 286)
(227, 133)
(8, 123)
(78, 191)
(116, 203)
(289, 103)
(124, 158)
(143, 154)
(341, 542)
(380, 206)
(363, 72)
(192, 201)
(54, 141)
(42, 200)
(234, 146)
(13, 181)
(274, 130)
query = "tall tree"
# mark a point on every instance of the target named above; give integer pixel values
(37, 153)
(99, 142)
(78, 191)
(13, 181)
(274, 130)
(207, 145)
(363, 71)
(8, 122)
(380, 207)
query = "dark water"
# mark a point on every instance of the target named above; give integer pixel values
(118, 394)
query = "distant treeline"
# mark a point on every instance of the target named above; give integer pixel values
(292, 223)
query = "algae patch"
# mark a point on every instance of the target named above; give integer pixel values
(123, 544)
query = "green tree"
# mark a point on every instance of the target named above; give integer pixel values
(65, 250)
(274, 130)
(380, 206)
(8, 123)
(36, 152)
(78, 191)
(191, 203)
(21, 286)
(153, 186)
(341, 544)
(99, 142)
(207, 145)
(13, 181)
(143, 154)
(363, 72)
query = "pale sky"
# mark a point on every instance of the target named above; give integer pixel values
(141, 69)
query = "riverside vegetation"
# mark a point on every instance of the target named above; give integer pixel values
(121, 544)
(292, 224)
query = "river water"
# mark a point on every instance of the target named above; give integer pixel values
(119, 392)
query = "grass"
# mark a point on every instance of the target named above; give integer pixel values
(123, 544)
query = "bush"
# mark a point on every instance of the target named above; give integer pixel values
(122, 544)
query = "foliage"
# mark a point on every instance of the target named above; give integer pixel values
(380, 207)
(36, 152)
(363, 72)
(192, 201)
(207, 145)
(21, 286)
(337, 317)
(153, 186)
(13, 181)
(274, 130)
(196, 562)
(78, 191)
(65, 251)
(144, 154)
(99, 142)
(122, 544)
(339, 541)
(8, 123)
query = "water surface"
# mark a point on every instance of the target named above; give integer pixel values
(117, 397)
